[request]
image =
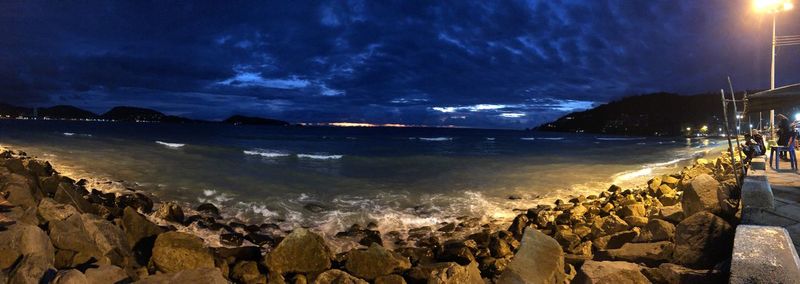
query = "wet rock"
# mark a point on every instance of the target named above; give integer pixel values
(647, 253)
(672, 214)
(702, 240)
(231, 239)
(141, 234)
(106, 274)
(249, 253)
(136, 200)
(610, 272)
(656, 230)
(614, 241)
(421, 255)
(338, 277)
(514, 197)
(459, 252)
(702, 195)
(260, 239)
(374, 262)
(199, 275)
(72, 276)
(316, 207)
(300, 252)
(635, 210)
(446, 272)
(608, 225)
(371, 237)
(175, 251)
(208, 208)
(499, 247)
(49, 185)
(448, 228)
(540, 259)
(247, 272)
(582, 249)
(390, 279)
(567, 239)
(49, 210)
(170, 211)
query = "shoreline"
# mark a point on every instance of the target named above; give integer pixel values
(469, 241)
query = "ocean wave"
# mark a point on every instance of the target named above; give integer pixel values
(265, 153)
(551, 138)
(490, 138)
(620, 138)
(170, 145)
(528, 138)
(69, 134)
(435, 138)
(319, 156)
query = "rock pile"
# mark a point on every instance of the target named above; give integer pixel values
(678, 228)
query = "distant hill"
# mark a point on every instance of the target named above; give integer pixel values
(68, 112)
(10, 110)
(123, 113)
(657, 114)
(248, 120)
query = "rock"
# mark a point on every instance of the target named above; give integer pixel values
(90, 237)
(170, 211)
(567, 239)
(300, 252)
(260, 239)
(374, 262)
(648, 253)
(231, 239)
(72, 276)
(656, 230)
(673, 273)
(669, 199)
(448, 228)
(446, 272)
(702, 195)
(518, 226)
(608, 225)
(49, 185)
(654, 184)
(390, 279)
(32, 268)
(247, 272)
(136, 200)
(20, 240)
(499, 247)
(636, 210)
(175, 251)
(250, 253)
(69, 194)
(614, 241)
(459, 252)
(672, 214)
(636, 221)
(39, 168)
(418, 255)
(49, 210)
(141, 234)
(610, 272)
(105, 274)
(540, 259)
(335, 276)
(196, 276)
(371, 237)
(669, 180)
(702, 240)
(110, 239)
(208, 208)
(582, 249)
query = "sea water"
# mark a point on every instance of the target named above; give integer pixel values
(330, 178)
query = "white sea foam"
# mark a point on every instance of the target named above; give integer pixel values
(436, 138)
(551, 138)
(620, 138)
(528, 138)
(319, 156)
(266, 153)
(490, 138)
(69, 134)
(170, 145)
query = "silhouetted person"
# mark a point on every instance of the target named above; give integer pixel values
(785, 132)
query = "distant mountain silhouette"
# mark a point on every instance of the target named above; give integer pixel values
(248, 120)
(65, 111)
(125, 113)
(657, 114)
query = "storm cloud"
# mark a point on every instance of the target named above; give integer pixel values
(508, 64)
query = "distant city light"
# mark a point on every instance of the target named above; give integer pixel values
(688, 129)
(704, 128)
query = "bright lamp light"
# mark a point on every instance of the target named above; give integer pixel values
(772, 6)
(797, 116)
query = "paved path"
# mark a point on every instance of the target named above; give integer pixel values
(785, 185)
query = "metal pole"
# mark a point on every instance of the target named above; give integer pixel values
(728, 135)
(772, 77)
(738, 146)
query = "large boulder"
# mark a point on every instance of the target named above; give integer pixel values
(702, 195)
(540, 259)
(105, 274)
(702, 240)
(302, 251)
(32, 269)
(49, 211)
(336, 276)
(447, 272)
(72, 195)
(170, 211)
(140, 233)
(614, 241)
(176, 251)
(673, 214)
(90, 237)
(656, 230)
(375, 262)
(20, 192)
(27, 252)
(648, 253)
(617, 272)
(608, 225)
(247, 272)
(72, 276)
(195, 276)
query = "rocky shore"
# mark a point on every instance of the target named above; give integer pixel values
(675, 229)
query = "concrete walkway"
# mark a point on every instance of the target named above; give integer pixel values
(785, 185)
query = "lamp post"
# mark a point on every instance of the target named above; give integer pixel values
(774, 7)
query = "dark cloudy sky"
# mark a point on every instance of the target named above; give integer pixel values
(504, 64)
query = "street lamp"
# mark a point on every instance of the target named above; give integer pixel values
(774, 7)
